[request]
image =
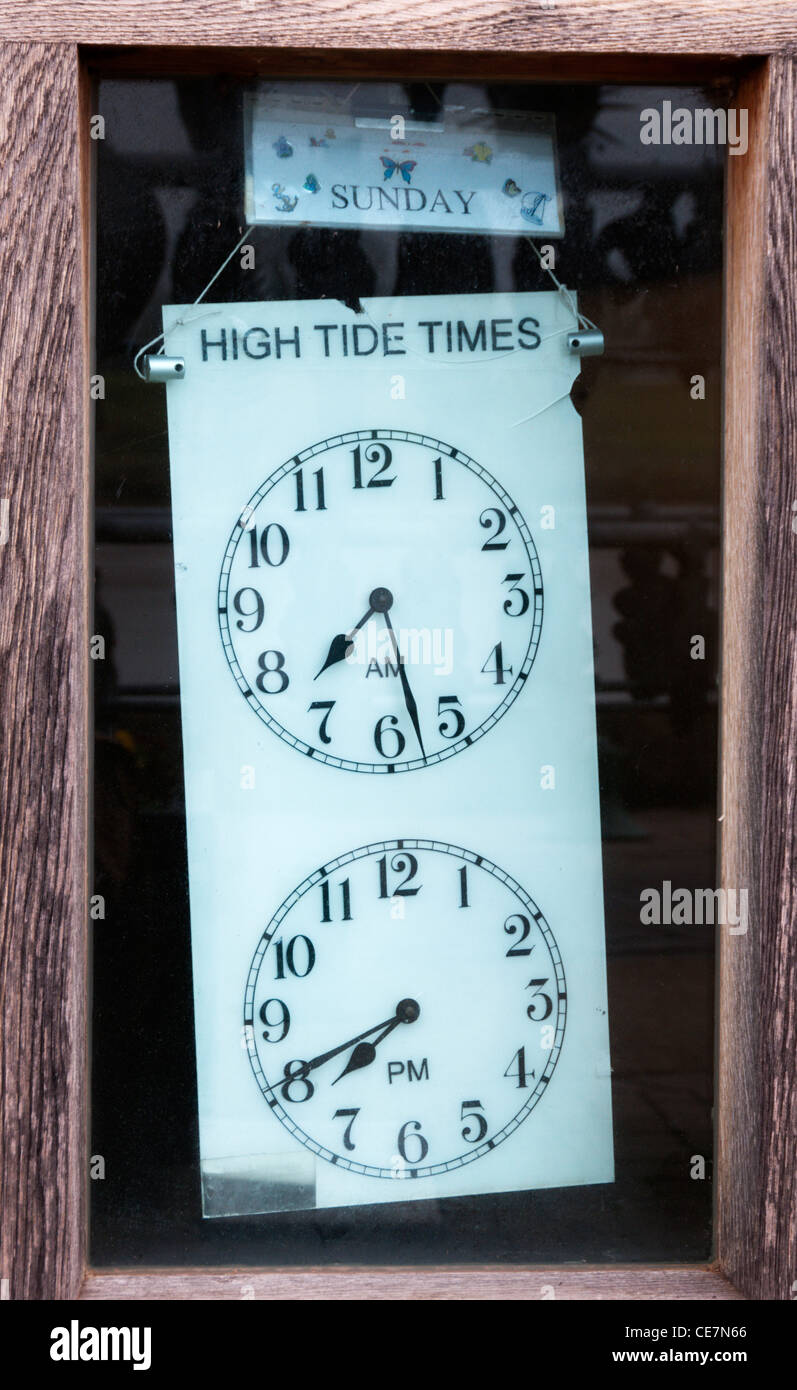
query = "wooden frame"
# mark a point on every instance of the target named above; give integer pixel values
(46, 47)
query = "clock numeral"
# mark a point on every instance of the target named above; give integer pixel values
(278, 670)
(328, 705)
(320, 504)
(274, 548)
(283, 1022)
(467, 1133)
(296, 1079)
(486, 521)
(345, 892)
(398, 864)
(499, 669)
(258, 612)
(521, 1073)
(379, 736)
(463, 886)
(375, 453)
(287, 956)
(514, 923)
(438, 480)
(512, 580)
(414, 1134)
(456, 714)
(348, 1143)
(543, 999)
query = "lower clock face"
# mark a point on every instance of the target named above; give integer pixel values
(405, 1009)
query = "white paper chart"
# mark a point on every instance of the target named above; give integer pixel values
(391, 784)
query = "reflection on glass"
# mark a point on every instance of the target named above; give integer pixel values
(643, 249)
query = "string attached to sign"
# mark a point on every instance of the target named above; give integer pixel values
(157, 366)
(588, 340)
(281, 128)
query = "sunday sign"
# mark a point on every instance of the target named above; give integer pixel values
(472, 170)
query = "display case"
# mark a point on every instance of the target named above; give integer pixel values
(398, 605)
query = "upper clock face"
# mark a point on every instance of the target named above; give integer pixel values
(405, 1009)
(380, 601)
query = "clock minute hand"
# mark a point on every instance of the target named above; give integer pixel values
(344, 1047)
(409, 698)
(406, 1012)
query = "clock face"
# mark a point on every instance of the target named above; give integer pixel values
(405, 1009)
(380, 601)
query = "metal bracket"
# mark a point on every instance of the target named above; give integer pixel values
(160, 368)
(586, 342)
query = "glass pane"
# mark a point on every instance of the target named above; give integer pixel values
(466, 1012)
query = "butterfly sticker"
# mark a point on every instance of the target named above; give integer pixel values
(404, 167)
(311, 184)
(286, 203)
(320, 144)
(533, 207)
(511, 189)
(283, 148)
(480, 154)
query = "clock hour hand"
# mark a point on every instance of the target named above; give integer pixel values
(340, 646)
(409, 698)
(365, 1052)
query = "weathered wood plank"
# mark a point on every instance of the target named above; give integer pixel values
(757, 1099)
(477, 1285)
(738, 1018)
(612, 26)
(43, 679)
(777, 1253)
(43, 702)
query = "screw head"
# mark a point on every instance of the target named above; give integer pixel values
(381, 600)
(408, 1010)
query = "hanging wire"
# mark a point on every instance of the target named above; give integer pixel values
(581, 319)
(566, 294)
(160, 338)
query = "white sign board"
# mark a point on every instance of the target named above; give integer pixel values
(486, 172)
(391, 777)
